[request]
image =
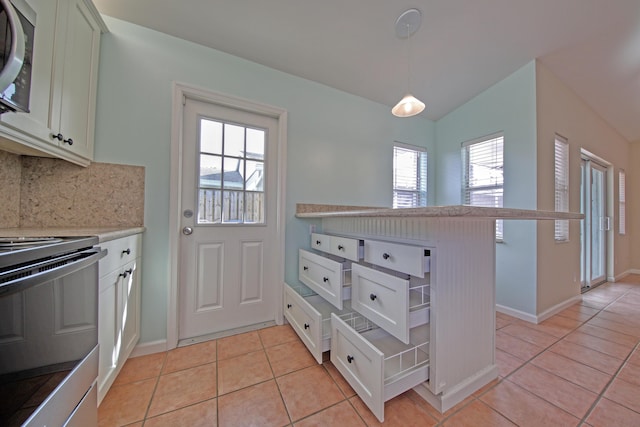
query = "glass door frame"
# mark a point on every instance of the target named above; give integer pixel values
(594, 228)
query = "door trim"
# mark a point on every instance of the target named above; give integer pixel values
(181, 91)
(609, 211)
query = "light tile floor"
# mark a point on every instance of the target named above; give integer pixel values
(581, 367)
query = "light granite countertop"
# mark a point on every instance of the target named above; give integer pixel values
(104, 233)
(306, 210)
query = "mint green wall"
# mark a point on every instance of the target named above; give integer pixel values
(508, 106)
(339, 145)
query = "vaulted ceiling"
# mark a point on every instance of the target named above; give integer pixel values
(462, 48)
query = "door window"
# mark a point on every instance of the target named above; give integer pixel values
(232, 173)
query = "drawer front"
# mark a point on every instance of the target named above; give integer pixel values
(120, 252)
(360, 363)
(383, 299)
(305, 320)
(404, 258)
(346, 248)
(322, 275)
(321, 242)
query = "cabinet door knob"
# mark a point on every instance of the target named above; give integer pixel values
(325, 279)
(305, 268)
(129, 271)
(289, 306)
(57, 136)
(340, 247)
(126, 252)
(68, 141)
(349, 358)
(123, 275)
(373, 297)
(306, 326)
(318, 242)
(385, 255)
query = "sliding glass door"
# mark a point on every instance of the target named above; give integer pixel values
(595, 225)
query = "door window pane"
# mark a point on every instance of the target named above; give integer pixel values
(233, 140)
(210, 168)
(210, 136)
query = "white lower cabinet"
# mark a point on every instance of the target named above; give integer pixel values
(377, 365)
(372, 316)
(118, 307)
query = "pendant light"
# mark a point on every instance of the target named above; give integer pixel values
(406, 25)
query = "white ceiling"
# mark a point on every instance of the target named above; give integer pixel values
(462, 48)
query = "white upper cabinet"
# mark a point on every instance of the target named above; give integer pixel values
(63, 84)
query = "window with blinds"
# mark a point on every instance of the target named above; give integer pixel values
(622, 227)
(409, 176)
(561, 231)
(483, 181)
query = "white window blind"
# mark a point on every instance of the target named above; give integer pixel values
(561, 232)
(409, 176)
(483, 179)
(622, 227)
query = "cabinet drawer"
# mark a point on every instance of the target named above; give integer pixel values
(376, 365)
(344, 247)
(414, 260)
(305, 320)
(304, 307)
(396, 304)
(120, 252)
(330, 279)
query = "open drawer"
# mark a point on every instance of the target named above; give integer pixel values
(391, 300)
(344, 247)
(329, 278)
(377, 365)
(414, 260)
(310, 316)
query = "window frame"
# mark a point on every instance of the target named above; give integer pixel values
(420, 193)
(561, 184)
(622, 202)
(492, 188)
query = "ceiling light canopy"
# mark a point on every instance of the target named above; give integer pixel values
(406, 25)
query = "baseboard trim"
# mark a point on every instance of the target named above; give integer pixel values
(456, 394)
(151, 347)
(516, 313)
(557, 308)
(531, 318)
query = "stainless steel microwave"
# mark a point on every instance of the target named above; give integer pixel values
(17, 28)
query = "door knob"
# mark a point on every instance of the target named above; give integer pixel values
(187, 231)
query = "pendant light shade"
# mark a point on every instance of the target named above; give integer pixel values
(406, 25)
(408, 106)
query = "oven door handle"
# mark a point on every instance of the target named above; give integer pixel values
(22, 283)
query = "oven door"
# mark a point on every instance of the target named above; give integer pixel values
(48, 337)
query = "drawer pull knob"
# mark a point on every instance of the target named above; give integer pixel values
(325, 279)
(305, 268)
(385, 255)
(289, 306)
(123, 275)
(68, 141)
(318, 242)
(349, 358)
(306, 326)
(340, 248)
(126, 252)
(373, 297)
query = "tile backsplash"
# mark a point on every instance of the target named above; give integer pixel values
(43, 192)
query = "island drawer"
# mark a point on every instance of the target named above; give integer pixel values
(329, 278)
(344, 247)
(310, 317)
(376, 365)
(395, 303)
(414, 260)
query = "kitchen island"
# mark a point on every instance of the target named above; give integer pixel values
(459, 242)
